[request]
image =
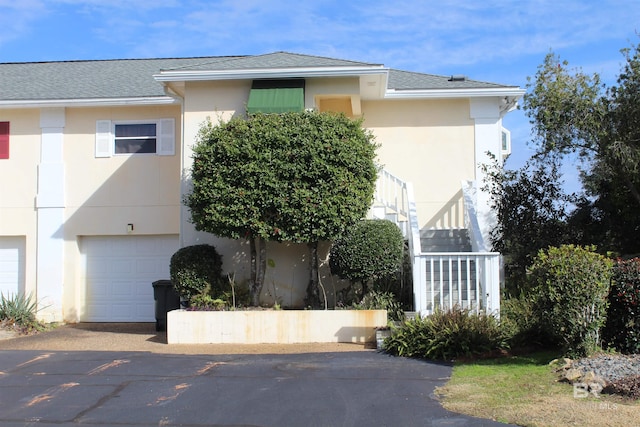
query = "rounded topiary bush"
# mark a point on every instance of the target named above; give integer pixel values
(196, 270)
(371, 249)
(570, 285)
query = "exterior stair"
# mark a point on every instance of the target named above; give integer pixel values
(453, 277)
(445, 240)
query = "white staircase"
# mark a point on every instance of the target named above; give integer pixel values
(446, 272)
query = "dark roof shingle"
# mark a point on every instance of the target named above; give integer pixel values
(133, 78)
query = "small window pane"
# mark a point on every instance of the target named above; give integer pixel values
(135, 146)
(135, 130)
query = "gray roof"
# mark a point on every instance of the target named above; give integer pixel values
(273, 60)
(406, 80)
(133, 78)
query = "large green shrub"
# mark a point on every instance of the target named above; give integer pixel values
(521, 324)
(622, 328)
(196, 270)
(371, 249)
(570, 285)
(446, 335)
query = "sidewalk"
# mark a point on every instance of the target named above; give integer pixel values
(143, 337)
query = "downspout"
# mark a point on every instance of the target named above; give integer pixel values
(169, 91)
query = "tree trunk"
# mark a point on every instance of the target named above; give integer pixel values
(258, 268)
(254, 268)
(262, 268)
(313, 296)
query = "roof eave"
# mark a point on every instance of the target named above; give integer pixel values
(89, 102)
(513, 92)
(270, 73)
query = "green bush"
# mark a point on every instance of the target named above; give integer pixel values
(520, 323)
(19, 310)
(622, 328)
(447, 335)
(196, 270)
(204, 302)
(570, 285)
(371, 249)
(399, 284)
(376, 300)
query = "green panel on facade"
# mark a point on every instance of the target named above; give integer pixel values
(276, 100)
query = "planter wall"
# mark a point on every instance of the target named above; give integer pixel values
(273, 326)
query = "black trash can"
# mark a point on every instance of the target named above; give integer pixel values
(166, 299)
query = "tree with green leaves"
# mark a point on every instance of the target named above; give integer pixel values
(292, 177)
(531, 211)
(573, 113)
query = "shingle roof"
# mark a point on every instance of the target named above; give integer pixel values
(273, 60)
(406, 80)
(133, 78)
(124, 78)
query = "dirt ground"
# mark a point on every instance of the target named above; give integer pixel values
(143, 337)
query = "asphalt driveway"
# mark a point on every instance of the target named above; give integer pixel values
(95, 387)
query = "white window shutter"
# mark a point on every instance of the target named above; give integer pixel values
(103, 138)
(167, 138)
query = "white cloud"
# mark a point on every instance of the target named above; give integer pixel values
(444, 36)
(17, 18)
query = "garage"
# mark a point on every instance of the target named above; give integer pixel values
(119, 273)
(12, 265)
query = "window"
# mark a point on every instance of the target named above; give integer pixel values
(505, 142)
(141, 137)
(276, 96)
(4, 140)
(135, 138)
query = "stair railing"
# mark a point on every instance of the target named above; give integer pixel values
(442, 280)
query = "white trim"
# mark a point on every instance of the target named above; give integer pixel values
(166, 137)
(303, 72)
(89, 102)
(454, 93)
(104, 138)
(50, 206)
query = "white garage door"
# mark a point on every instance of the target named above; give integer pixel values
(119, 276)
(11, 265)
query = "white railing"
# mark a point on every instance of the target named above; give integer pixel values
(470, 280)
(441, 280)
(391, 197)
(469, 190)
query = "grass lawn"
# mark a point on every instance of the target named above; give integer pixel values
(524, 390)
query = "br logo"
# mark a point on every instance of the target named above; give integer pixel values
(583, 390)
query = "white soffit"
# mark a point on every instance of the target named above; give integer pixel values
(514, 92)
(267, 73)
(94, 102)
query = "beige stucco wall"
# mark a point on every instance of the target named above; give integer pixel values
(431, 144)
(103, 195)
(19, 176)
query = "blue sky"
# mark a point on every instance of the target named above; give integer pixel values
(501, 41)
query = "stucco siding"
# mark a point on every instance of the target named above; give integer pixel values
(19, 175)
(431, 144)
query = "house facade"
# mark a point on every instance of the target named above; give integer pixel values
(95, 158)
